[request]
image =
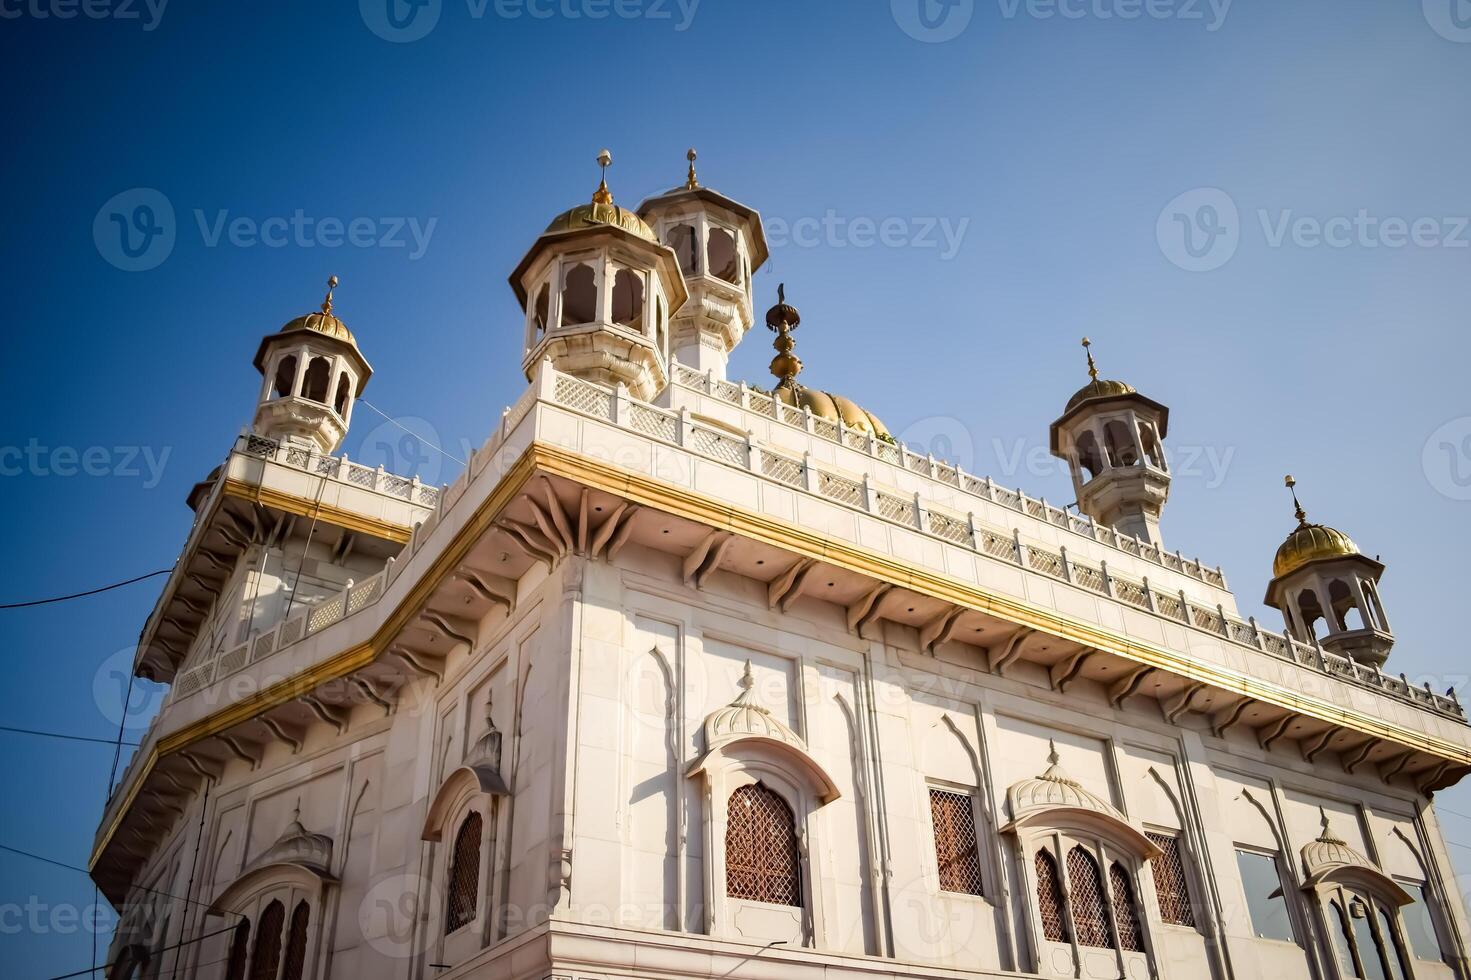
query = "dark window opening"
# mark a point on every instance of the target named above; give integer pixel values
(579, 296)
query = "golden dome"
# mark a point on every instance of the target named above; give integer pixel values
(833, 408)
(594, 214)
(1309, 543)
(322, 323)
(1099, 389)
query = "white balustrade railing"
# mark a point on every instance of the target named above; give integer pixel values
(965, 530)
(311, 619)
(898, 454)
(339, 468)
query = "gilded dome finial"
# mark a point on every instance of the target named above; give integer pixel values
(690, 183)
(1302, 515)
(1092, 367)
(783, 319)
(327, 302)
(602, 195)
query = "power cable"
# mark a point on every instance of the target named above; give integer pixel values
(80, 595)
(62, 735)
(395, 422)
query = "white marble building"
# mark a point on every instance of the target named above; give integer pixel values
(687, 678)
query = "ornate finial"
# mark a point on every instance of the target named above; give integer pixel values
(748, 680)
(783, 319)
(1302, 516)
(489, 706)
(602, 195)
(296, 813)
(327, 302)
(1326, 835)
(1092, 367)
(1052, 757)
(690, 183)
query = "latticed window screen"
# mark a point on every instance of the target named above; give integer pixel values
(239, 951)
(296, 943)
(266, 956)
(1086, 890)
(1169, 882)
(1125, 913)
(956, 852)
(1049, 899)
(464, 874)
(762, 863)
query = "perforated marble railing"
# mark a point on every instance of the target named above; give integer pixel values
(339, 468)
(964, 530)
(898, 454)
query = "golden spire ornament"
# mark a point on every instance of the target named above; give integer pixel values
(783, 319)
(1092, 367)
(602, 195)
(1302, 515)
(690, 183)
(327, 301)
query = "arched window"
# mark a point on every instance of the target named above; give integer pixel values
(579, 295)
(1152, 450)
(1343, 942)
(285, 376)
(1397, 964)
(762, 862)
(1170, 886)
(724, 260)
(1085, 883)
(628, 299)
(266, 956)
(318, 377)
(1125, 913)
(682, 242)
(539, 312)
(1345, 607)
(296, 942)
(344, 392)
(1088, 455)
(1310, 610)
(1121, 451)
(464, 874)
(1049, 898)
(239, 951)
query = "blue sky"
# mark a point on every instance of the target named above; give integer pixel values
(1035, 174)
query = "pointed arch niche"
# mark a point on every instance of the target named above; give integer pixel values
(761, 784)
(1080, 859)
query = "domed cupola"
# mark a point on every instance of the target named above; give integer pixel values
(1112, 438)
(312, 373)
(786, 365)
(1319, 574)
(720, 245)
(598, 291)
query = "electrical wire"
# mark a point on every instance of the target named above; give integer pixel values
(80, 595)
(106, 966)
(395, 422)
(70, 738)
(72, 867)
